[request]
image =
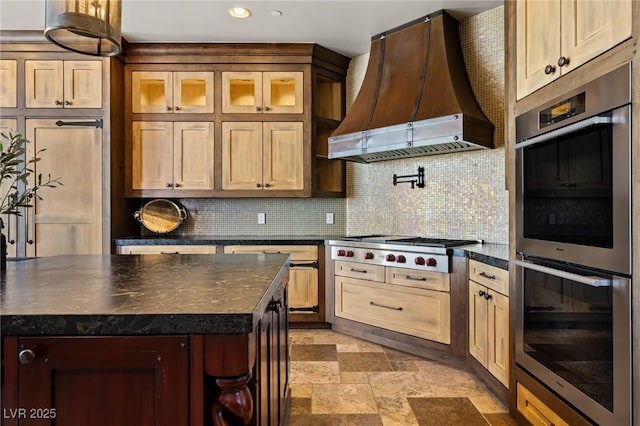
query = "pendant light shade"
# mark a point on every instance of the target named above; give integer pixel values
(92, 27)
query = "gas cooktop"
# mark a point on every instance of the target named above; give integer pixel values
(409, 240)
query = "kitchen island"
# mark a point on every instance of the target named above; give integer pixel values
(151, 339)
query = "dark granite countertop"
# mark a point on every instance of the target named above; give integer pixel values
(490, 253)
(177, 239)
(149, 294)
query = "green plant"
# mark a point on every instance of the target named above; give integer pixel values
(16, 190)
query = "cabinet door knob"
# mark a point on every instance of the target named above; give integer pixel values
(549, 69)
(178, 185)
(258, 109)
(267, 108)
(488, 296)
(169, 185)
(562, 61)
(67, 102)
(267, 185)
(26, 356)
(177, 108)
(168, 108)
(482, 293)
(58, 103)
(258, 185)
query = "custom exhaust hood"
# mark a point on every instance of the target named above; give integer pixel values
(415, 98)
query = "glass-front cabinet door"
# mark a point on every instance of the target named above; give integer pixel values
(172, 92)
(262, 92)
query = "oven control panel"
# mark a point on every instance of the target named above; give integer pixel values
(400, 259)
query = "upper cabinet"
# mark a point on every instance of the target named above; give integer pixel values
(8, 83)
(172, 156)
(262, 92)
(172, 92)
(262, 156)
(63, 84)
(555, 37)
(275, 107)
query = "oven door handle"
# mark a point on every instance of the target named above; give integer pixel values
(564, 130)
(589, 280)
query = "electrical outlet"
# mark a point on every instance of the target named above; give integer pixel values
(329, 218)
(262, 218)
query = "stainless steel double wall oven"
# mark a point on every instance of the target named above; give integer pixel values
(573, 241)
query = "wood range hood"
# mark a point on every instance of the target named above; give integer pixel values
(415, 98)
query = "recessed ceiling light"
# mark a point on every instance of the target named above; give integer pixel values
(276, 13)
(239, 12)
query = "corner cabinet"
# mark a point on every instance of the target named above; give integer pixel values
(489, 318)
(273, 107)
(555, 37)
(306, 283)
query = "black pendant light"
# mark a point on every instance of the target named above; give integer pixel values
(92, 27)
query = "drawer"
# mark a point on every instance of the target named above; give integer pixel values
(360, 270)
(418, 279)
(413, 311)
(297, 252)
(535, 411)
(491, 277)
(167, 249)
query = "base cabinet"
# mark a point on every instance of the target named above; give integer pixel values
(272, 369)
(535, 411)
(489, 318)
(96, 381)
(305, 289)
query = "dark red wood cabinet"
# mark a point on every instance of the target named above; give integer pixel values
(95, 381)
(272, 370)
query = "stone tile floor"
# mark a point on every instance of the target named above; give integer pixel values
(337, 379)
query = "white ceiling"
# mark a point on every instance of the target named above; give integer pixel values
(343, 26)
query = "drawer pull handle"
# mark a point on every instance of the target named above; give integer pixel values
(484, 274)
(313, 264)
(372, 303)
(362, 271)
(409, 277)
(169, 252)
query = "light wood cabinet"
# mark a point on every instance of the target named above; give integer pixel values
(172, 92)
(262, 156)
(172, 155)
(414, 311)
(303, 289)
(68, 218)
(534, 410)
(489, 318)
(9, 221)
(8, 83)
(262, 92)
(63, 84)
(555, 37)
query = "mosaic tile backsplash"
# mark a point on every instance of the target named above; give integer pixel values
(464, 197)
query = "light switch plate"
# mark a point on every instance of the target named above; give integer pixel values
(329, 218)
(262, 218)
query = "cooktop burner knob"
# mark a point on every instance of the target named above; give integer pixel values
(419, 260)
(341, 253)
(401, 259)
(368, 255)
(349, 253)
(431, 262)
(390, 258)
